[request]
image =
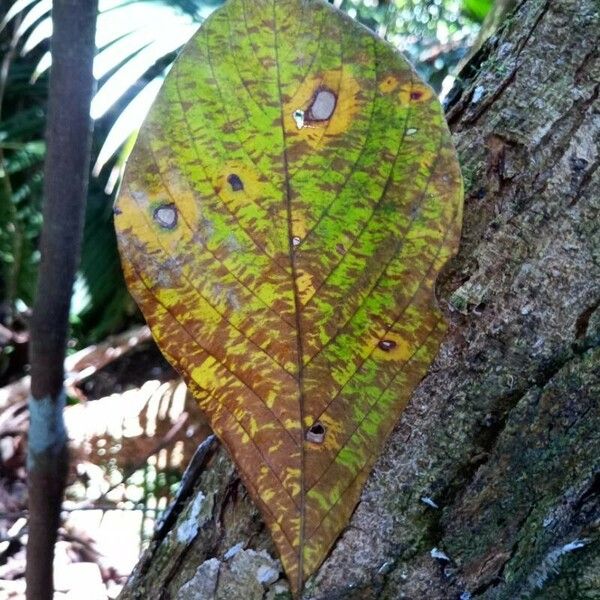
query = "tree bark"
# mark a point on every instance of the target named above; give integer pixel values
(66, 169)
(489, 487)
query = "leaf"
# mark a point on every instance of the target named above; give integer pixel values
(290, 200)
(477, 9)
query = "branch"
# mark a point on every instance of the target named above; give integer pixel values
(66, 170)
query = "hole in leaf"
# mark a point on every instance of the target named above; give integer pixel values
(299, 118)
(166, 215)
(416, 95)
(323, 105)
(316, 433)
(117, 211)
(411, 131)
(296, 241)
(235, 182)
(387, 345)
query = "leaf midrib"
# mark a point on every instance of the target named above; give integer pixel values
(297, 307)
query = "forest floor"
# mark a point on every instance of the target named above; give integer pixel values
(130, 441)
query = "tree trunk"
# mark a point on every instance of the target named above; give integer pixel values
(66, 169)
(489, 487)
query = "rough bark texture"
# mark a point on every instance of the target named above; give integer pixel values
(66, 168)
(489, 487)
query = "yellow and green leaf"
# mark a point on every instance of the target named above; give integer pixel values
(288, 205)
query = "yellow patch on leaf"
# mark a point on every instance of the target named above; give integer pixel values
(316, 134)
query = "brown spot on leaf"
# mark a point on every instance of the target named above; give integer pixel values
(316, 433)
(322, 105)
(237, 185)
(166, 215)
(386, 345)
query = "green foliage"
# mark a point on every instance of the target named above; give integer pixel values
(101, 304)
(21, 160)
(434, 34)
(477, 9)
